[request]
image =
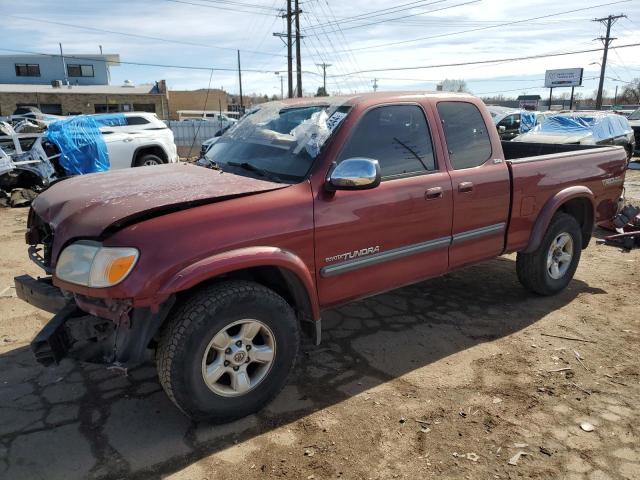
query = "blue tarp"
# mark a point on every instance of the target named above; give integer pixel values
(82, 146)
(600, 127)
(527, 120)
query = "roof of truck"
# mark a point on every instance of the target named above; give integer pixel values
(380, 96)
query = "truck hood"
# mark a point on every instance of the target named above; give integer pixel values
(87, 205)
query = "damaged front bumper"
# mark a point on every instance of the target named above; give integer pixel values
(112, 334)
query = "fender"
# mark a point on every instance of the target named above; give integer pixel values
(291, 265)
(153, 144)
(550, 208)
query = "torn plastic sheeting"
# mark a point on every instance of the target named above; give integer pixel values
(313, 132)
(600, 127)
(527, 120)
(82, 146)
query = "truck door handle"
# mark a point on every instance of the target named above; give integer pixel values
(465, 187)
(431, 193)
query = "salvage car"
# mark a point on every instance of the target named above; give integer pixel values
(583, 128)
(309, 204)
(82, 144)
(634, 121)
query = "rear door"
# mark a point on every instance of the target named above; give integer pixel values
(368, 241)
(481, 184)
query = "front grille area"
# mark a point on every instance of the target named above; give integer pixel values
(40, 239)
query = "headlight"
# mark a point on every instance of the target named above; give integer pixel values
(92, 265)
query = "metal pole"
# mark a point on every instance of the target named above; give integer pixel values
(550, 96)
(64, 66)
(571, 101)
(240, 80)
(615, 98)
(298, 59)
(289, 52)
(281, 87)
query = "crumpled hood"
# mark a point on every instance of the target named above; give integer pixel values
(86, 205)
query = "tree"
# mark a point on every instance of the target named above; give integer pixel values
(631, 92)
(321, 92)
(452, 85)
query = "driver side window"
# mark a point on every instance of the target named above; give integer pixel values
(395, 135)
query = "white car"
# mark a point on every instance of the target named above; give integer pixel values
(144, 140)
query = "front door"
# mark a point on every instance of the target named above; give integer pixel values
(368, 241)
(481, 185)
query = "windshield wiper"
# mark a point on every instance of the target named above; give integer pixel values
(252, 168)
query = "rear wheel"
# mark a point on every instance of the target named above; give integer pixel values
(228, 350)
(147, 159)
(550, 268)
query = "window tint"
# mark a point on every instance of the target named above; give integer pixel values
(27, 70)
(466, 134)
(137, 121)
(75, 70)
(397, 136)
(510, 122)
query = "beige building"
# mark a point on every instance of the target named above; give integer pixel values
(76, 99)
(196, 100)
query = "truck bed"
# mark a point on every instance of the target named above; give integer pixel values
(521, 150)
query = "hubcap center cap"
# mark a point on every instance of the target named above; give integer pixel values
(237, 356)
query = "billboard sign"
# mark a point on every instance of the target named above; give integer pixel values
(566, 77)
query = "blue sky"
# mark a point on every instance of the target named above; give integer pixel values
(205, 33)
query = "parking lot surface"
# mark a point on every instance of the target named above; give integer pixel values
(464, 376)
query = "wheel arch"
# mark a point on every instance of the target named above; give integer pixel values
(275, 268)
(577, 201)
(153, 148)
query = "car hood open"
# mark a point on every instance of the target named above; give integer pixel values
(87, 205)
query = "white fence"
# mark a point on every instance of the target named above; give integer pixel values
(187, 132)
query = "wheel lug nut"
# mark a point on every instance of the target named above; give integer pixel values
(236, 368)
(239, 343)
(226, 363)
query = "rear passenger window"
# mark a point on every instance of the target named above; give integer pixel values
(136, 121)
(466, 134)
(397, 136)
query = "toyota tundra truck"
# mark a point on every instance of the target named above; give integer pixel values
(305, 205)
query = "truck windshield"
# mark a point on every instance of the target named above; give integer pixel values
(277, 140)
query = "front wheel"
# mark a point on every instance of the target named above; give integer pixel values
(227, 351)
(147, 159)
(550, 268)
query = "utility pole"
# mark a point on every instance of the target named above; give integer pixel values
(240, 81)
(281, 85)
(375, 84)
(289, 44)
(298, 58)
(64, 66)
(610, 20)
(324, 74)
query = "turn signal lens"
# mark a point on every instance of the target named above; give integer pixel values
(112, 265)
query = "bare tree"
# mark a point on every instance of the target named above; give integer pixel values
(631, 92)
(452, 85)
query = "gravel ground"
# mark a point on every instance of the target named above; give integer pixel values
(450, 378)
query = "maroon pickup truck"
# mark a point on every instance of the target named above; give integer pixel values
(306, 204)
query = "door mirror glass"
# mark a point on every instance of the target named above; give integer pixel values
(354, 174)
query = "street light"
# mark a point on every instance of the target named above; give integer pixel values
(281, 85)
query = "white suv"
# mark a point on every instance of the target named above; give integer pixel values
(144, 140)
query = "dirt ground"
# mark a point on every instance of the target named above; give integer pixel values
(451, 378)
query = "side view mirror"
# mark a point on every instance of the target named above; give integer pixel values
(502, 129)
(354, 174)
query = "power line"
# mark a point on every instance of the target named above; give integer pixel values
(480, 62)
(137, 35)
(504, 24)
(161, 65)
(217, 7)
